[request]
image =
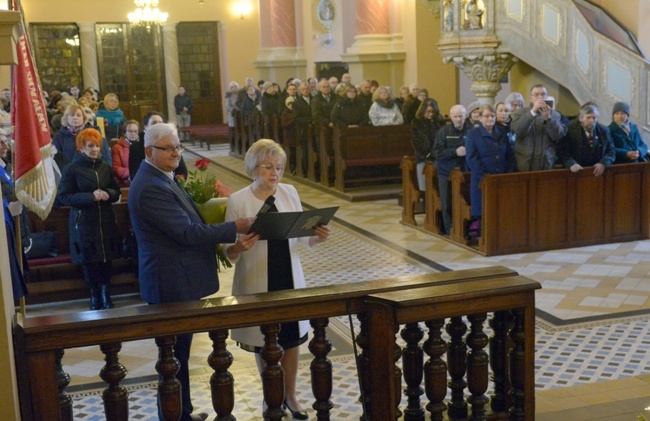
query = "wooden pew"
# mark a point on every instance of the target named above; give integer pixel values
(211, 133)
(411, 194)
(545, 210)
(271, 125)
(326, 155)
(56, 278)
(370, 148)
(432, 202)
(461, 211)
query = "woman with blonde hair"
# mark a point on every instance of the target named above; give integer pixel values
(74, 120)
(384, 111)
(112, 115)
(270, 265)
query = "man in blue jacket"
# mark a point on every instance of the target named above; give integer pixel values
(176, 248)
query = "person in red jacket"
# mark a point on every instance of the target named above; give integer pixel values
(121, 153)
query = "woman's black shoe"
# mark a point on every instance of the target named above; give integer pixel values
(297, 415)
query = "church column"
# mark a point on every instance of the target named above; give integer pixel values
(280, 57)
(88, 48)
(172, 68)
(468, 40)
(378, 50)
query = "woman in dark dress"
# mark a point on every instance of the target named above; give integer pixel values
(88, 186)
(270, 265)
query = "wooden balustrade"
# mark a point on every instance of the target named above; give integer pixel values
(467, 361)
(39, 343)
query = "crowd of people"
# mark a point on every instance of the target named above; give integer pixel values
(510, 136)
(315, 104)
(176, 247)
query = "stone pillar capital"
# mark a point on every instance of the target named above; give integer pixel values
(486, 71)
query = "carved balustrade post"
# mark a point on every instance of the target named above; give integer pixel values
(500, 322)
(435, 370)
(221, 382)
(457, 365)
(272, 374)
(517, 365)
(116, 398)
(477, 366)
(413, 357)
(169, 388)
(363, 364)
(397, 354)
(62, 381)
(321, 369)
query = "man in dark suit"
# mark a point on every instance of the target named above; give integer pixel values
(587, 143)
(176, 248)
(302, 110)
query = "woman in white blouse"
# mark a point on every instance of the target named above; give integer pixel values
(270, 265)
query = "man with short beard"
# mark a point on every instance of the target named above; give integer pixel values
(587, 143)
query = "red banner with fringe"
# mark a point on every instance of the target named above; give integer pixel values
(33, 158)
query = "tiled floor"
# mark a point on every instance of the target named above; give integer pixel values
(593, 344)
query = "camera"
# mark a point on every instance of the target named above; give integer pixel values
(550, 102)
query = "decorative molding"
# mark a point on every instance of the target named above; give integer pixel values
(605, 85)
(433, 6)
(582, 53)
(552, 38)
(510, 7)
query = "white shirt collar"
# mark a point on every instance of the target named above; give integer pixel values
(169, 174)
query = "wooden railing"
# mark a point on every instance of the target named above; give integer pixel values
(40, 344)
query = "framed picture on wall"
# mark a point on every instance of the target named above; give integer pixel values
(325, 13)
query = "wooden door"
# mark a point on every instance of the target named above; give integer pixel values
(198, 59)
(130, 62)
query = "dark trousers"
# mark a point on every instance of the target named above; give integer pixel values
(445, 200)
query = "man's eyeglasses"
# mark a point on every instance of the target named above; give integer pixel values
(269, 167)
(170, 149)
(539, 94)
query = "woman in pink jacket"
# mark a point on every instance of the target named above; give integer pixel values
(121, 153)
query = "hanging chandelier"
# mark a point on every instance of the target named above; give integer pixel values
(147, 14)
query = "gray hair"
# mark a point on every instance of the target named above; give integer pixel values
(589, 109)
(514, 97)
(259, 151)
(157, 132)
(458, 106)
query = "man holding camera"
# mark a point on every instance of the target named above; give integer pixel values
(538, 128)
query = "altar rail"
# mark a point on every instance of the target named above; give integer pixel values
(40, 344)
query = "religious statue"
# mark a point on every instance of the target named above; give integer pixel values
(449, 16)
(325, 14)
(474, 15)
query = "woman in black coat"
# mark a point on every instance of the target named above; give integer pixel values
(348, 112)
(88, 186)
(424, 129)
